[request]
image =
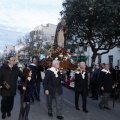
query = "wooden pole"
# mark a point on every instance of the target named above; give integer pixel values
(115, 91)
(22, 101)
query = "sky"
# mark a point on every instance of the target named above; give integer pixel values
(18, 17)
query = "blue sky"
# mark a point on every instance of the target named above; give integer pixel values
(18, 17)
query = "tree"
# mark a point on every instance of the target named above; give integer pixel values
(95, 22)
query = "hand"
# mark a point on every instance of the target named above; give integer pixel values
(24, 88)
(6, 85)
(0, 86)
(46, 92)
(102, 88)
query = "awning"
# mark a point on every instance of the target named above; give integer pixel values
(79, 58)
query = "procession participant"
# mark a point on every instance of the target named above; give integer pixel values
(53, 89)
(106, 82)
(95, 82)
(27, 72)
(36, 75)
(9, 74)
(81, 86)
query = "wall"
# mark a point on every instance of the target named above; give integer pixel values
(105, 57)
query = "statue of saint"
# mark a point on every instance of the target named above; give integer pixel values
(60, 33)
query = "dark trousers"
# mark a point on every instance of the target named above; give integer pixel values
(38, 89)
(94, 90)
(58, 101)
(84, 100)
(7, 103)
(105, 99)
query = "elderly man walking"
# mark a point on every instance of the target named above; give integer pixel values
(106, 82)
(81, 86)
(53, 89)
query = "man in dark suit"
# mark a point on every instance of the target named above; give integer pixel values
(53, 89)
(95, 82)
(37, 79)
(81, 86)
(106, 82)
(8, 80)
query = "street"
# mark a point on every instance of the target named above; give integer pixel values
(38, 110)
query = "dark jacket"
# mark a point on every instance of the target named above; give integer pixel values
(36, 73)
(95, 76)
(106, 81)
(52, 83)
(80, 83)
(10, 75)
(28, 91)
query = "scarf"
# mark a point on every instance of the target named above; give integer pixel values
(106, 71)
(54, 70)
(83, 74)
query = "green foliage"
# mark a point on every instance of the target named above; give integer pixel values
(95, 21)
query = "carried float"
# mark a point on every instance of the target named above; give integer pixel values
(63, 56)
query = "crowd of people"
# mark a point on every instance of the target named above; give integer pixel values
(102, 79)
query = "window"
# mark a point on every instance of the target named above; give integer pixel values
(111, 60)
(99, 58)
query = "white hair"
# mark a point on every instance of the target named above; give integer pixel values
(81, 63)
(55, 61)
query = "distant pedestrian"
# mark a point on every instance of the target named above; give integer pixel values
(95, 82)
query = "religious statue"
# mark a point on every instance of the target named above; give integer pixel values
(60, 33)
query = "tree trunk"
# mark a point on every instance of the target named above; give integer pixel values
(93, 58)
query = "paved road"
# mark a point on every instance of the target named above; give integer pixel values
(38, 110)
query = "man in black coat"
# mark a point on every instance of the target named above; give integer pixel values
(95, 82)
(106, 82)
(53, 89)
(36, 75)
(8, 76)
(81, 86)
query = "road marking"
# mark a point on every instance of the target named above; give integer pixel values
(68, 102)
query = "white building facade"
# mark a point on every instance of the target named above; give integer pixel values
(112, 57)
(47, 33)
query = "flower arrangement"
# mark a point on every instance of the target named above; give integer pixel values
(62, 54)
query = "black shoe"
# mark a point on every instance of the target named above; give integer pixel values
(60, 117)
(107, 108)
(85, 110)
(8, 114)
(3, 116)
(50, 114)
(77, 108)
